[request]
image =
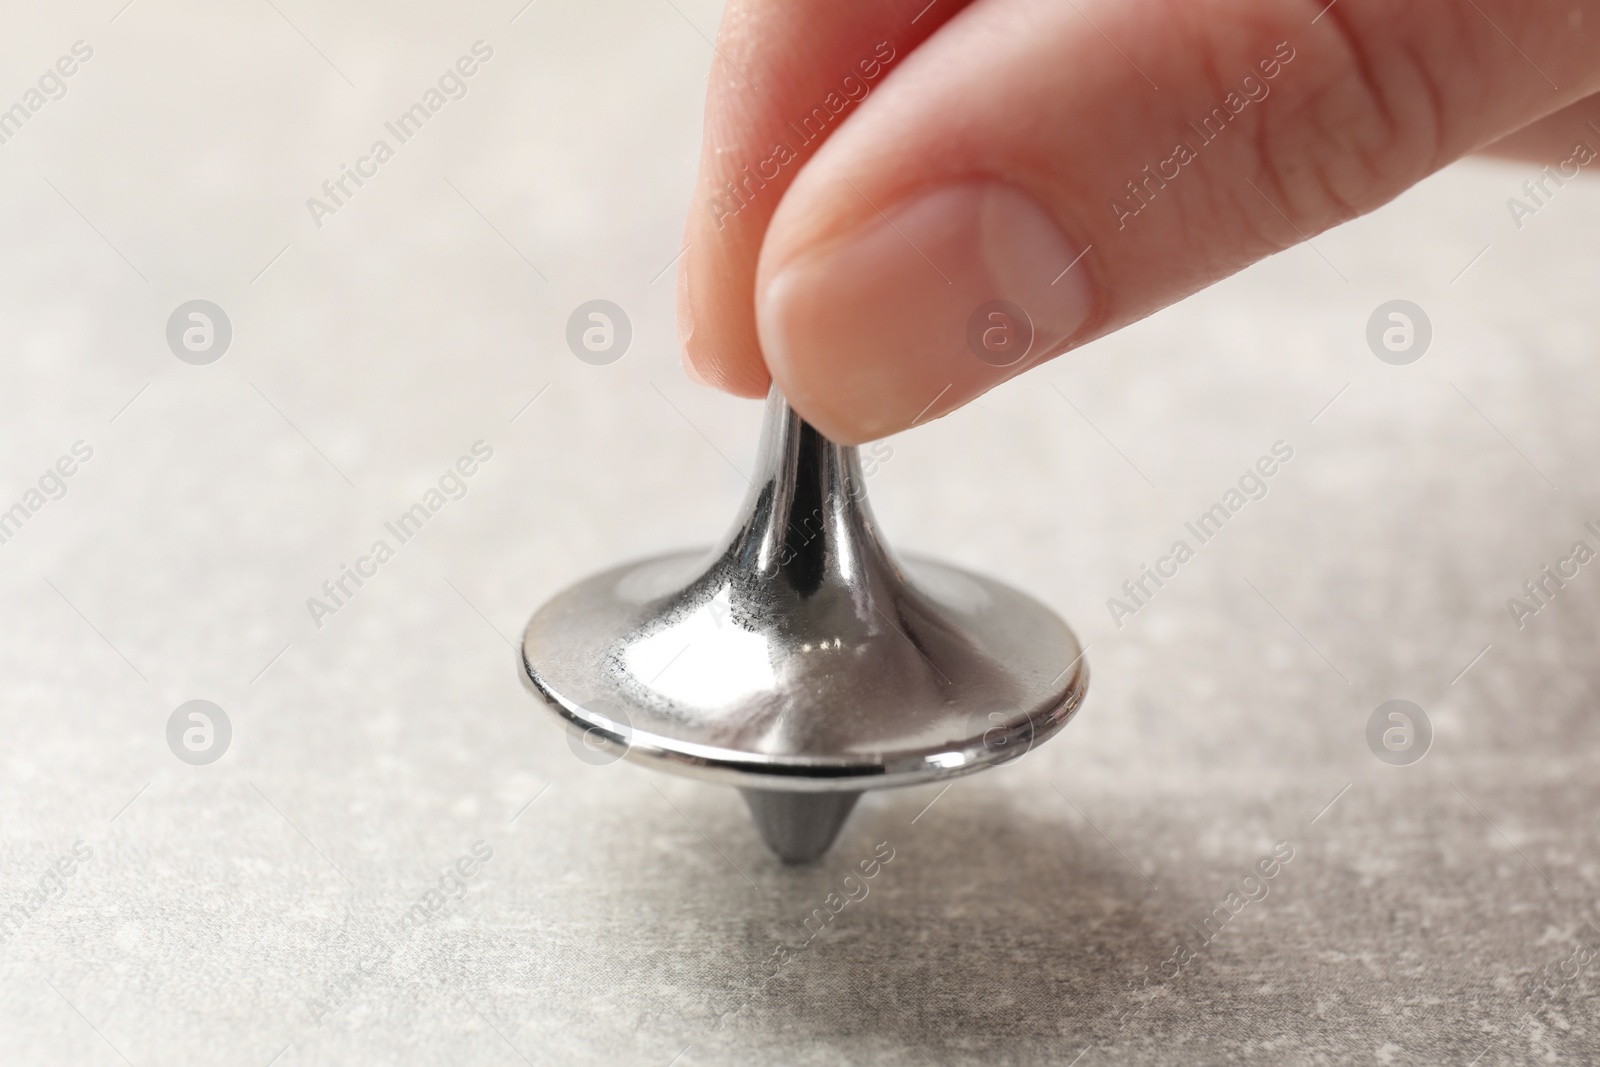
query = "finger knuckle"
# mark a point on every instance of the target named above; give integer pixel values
(1366, 120)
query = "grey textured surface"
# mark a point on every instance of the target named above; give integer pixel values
(1027, 914)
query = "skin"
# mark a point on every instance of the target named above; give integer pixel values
(990, 150)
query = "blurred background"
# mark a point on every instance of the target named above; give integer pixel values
(243, 891)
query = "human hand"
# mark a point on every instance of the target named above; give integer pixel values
(875, 174)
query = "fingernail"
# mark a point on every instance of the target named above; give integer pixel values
(928, 304)
(684, 314)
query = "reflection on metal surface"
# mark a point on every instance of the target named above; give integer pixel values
(801, 657)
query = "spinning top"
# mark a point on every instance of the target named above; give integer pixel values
(801, 660)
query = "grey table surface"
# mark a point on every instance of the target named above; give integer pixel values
(251, 911)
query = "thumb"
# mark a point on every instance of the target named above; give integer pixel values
(1036, 174)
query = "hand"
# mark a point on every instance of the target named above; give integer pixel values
(875, 172)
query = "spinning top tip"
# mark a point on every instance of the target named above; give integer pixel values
(799, 827)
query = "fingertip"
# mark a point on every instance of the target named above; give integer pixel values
(718, 355)
(923, 307)
(684, 314)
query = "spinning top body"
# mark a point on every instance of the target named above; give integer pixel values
(800, 660)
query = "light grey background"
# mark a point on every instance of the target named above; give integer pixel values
(630, 919)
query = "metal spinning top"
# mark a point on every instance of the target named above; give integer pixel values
(801, 660)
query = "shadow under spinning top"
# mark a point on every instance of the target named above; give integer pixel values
(801, 660)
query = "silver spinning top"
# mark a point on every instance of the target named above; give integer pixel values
(801, 660)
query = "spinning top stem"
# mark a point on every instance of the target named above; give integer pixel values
(800, 660)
